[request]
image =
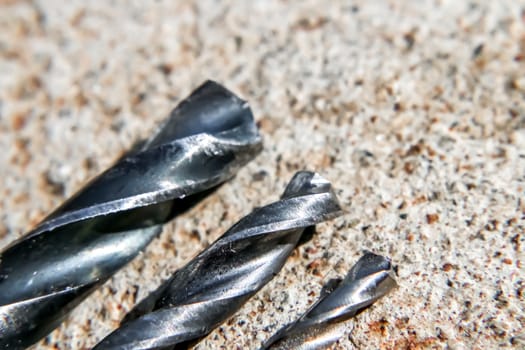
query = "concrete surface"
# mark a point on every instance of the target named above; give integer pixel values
(415, 110)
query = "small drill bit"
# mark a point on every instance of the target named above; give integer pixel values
(371, 278)
(216, 283)
(45, 274)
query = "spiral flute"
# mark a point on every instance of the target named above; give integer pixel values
(203, 143)
(216, 283)
(371, 278)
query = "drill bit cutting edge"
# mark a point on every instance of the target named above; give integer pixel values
(216, 283)
(371, 278)
(45, 274)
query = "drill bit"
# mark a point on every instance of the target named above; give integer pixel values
(216, 283)
(45, 274)
(371, 278)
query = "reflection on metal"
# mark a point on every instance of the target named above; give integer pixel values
(216, 283)
(203, 143)
(371, 278)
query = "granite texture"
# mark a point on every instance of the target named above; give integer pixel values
(415, 110)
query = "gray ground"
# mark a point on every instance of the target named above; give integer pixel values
(415, 111)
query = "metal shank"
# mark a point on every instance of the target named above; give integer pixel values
(45, 274)
(371, 278)
(216, 283)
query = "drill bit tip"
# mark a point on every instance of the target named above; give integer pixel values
(218, 281)
(370, 278)
(204, 142)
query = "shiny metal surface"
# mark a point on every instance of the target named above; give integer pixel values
(205, 140)
(216, 283)
(371, 278)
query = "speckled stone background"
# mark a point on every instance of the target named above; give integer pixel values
(415, 110)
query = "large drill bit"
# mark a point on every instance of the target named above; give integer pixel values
(215, 284)
(371, 278)
(205, 140)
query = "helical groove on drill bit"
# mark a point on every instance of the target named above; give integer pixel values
(217, 282)
(45, 274)
(371, 278)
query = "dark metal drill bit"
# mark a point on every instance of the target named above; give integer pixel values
(371, 278)
(216, 283)
(203, 143)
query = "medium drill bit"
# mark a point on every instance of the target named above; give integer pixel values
(215, 284)
(203, 143)
(371, 278)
